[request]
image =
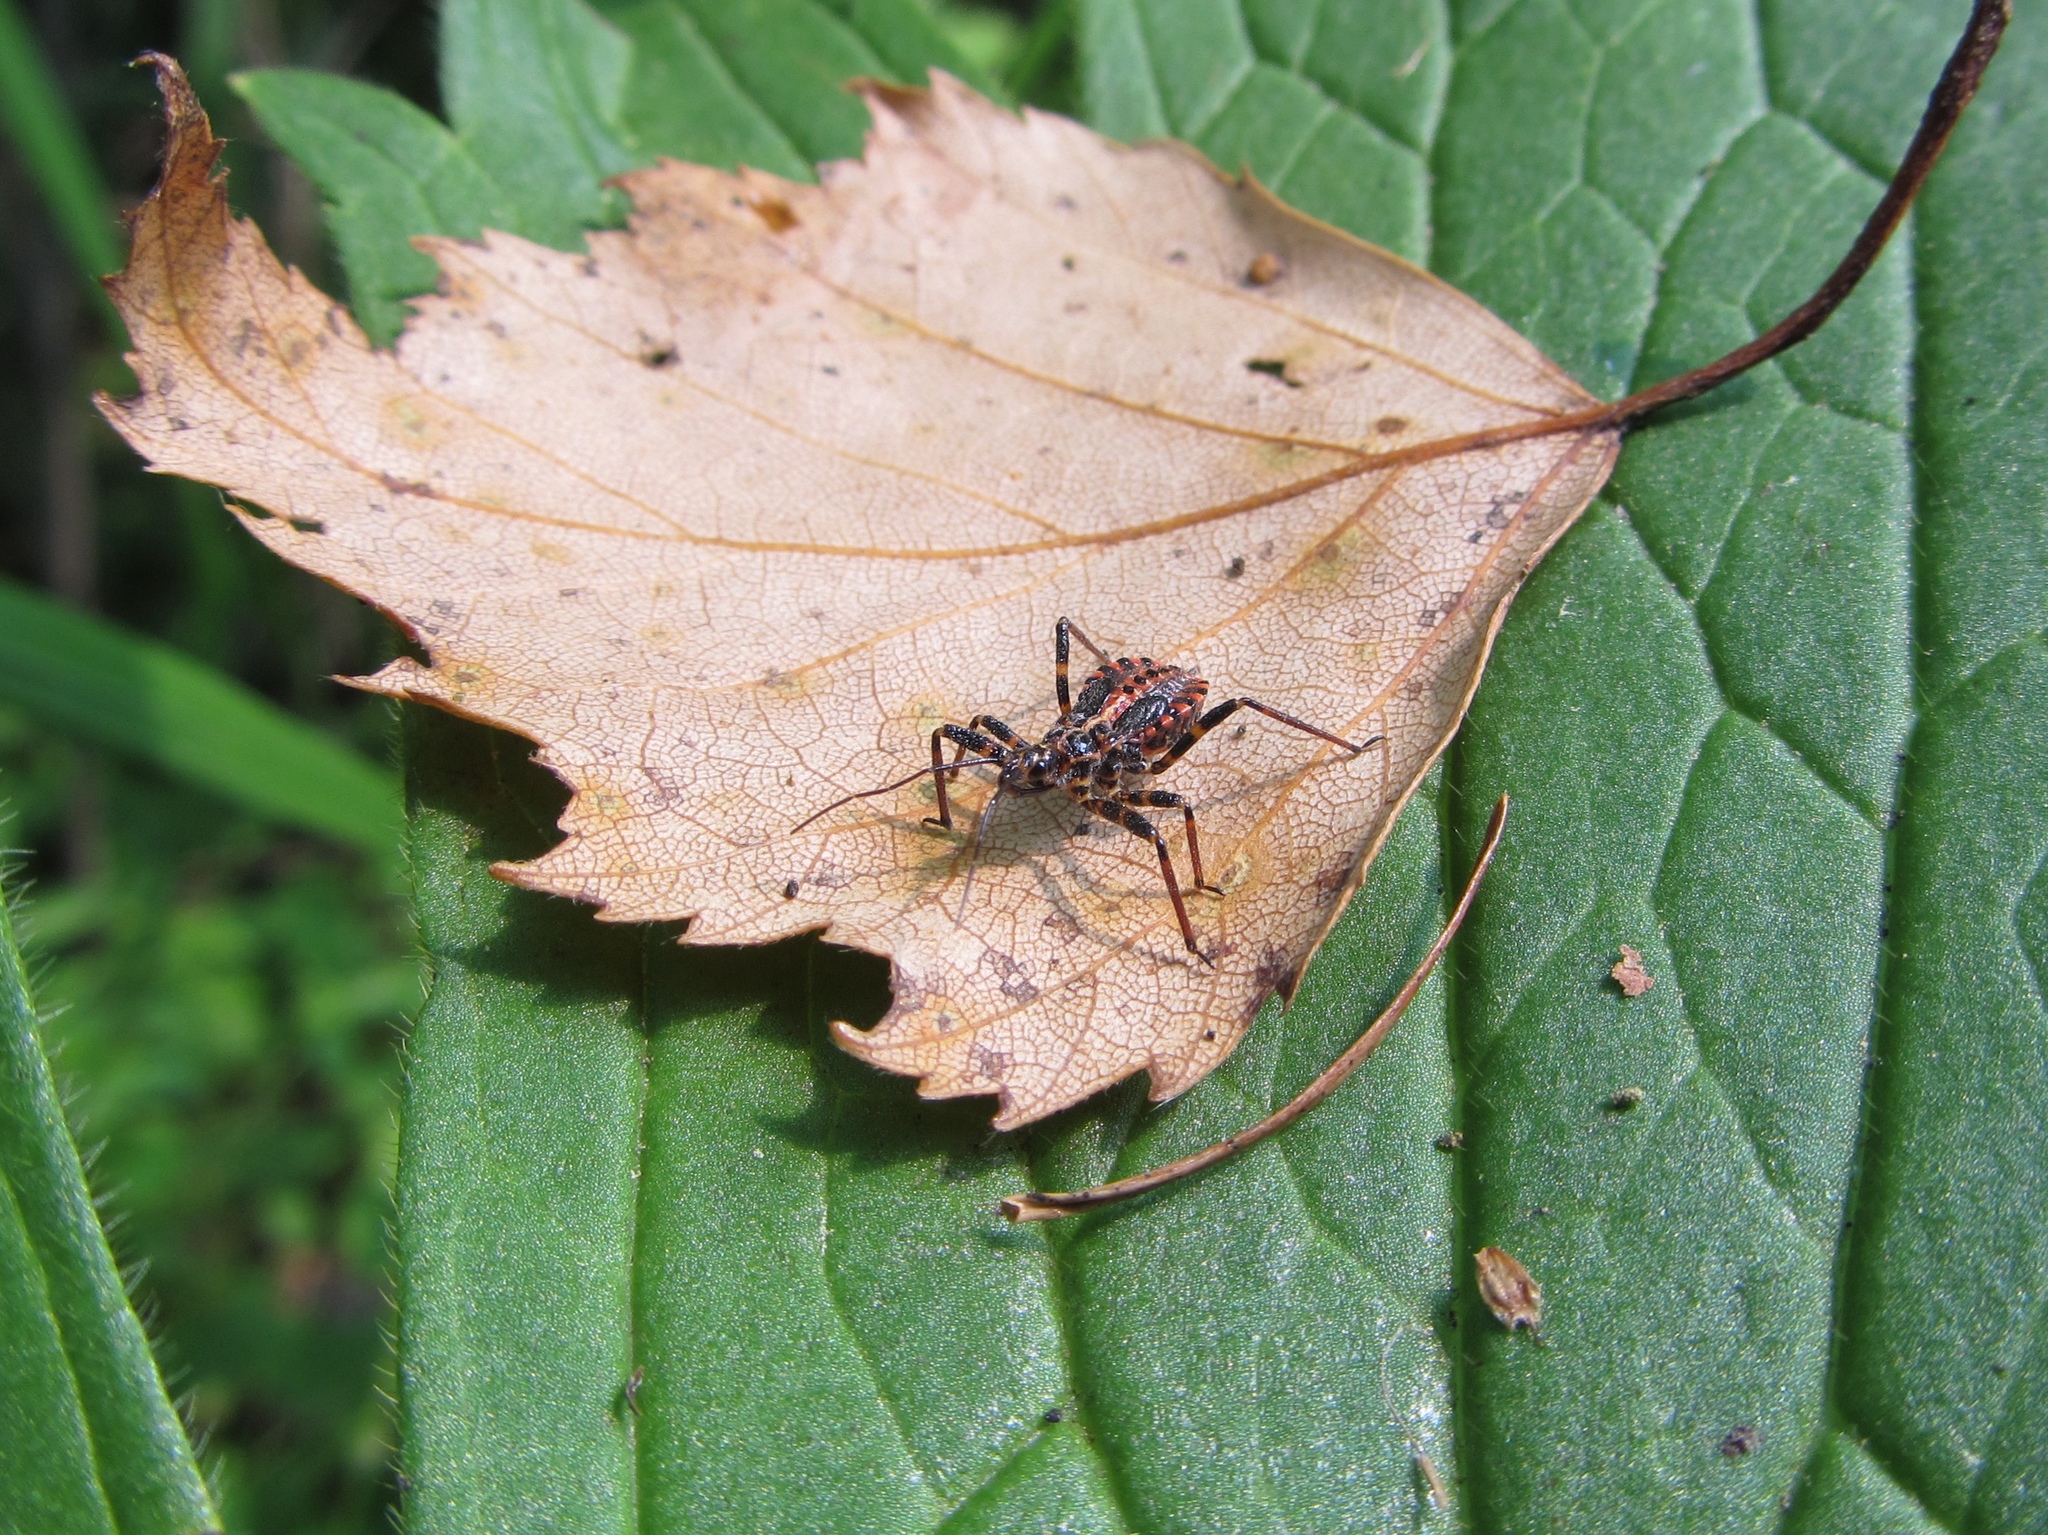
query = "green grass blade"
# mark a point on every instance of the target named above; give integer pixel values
(90, 1442)
(47, 138)
(102, 684)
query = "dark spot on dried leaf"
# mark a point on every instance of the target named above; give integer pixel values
(1272, 367)
(775, 213)
(1265, 270)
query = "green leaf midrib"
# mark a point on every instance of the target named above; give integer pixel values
(831, 1265)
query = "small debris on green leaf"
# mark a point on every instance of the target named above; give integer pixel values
(1510, 1294)
(1630, 975)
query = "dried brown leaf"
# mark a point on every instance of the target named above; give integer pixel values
(731, 512)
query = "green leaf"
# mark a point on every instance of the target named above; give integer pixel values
(535, 89)
(96, 681)
(90, 1442)
(389, 170)
(1775, 715)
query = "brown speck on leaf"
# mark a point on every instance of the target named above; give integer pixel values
(1510, 1294)
(775, 213)
(1630, 975)
(1741, 1440)
(1235, 569)
(1624, 1099)
(789, 890)
(1451, 1140)
(1265, 270)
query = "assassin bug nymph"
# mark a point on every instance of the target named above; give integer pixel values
(1132, 721)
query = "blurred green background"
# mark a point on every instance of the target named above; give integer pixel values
(231, 983)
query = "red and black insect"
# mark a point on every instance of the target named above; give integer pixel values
(1133, 720)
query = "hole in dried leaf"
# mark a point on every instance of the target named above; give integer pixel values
(1272, 367)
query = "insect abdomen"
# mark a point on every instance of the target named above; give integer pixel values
(1140, 703)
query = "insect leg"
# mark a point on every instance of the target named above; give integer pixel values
(1166, 799)
(1065, 628)
(1137, 825)
(1230, 706)
(995, 727)
(964, 738)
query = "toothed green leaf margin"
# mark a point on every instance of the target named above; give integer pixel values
(88, 1440)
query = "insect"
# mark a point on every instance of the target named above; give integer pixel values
(1132, 720)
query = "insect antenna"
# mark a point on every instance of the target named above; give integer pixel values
(980, 830)
(888, 788)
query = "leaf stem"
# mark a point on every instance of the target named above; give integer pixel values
(1051, 1206)
(1945, 104)
(1952, 92)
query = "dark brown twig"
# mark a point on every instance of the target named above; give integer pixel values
(1952, 92)
(1049, 1206)
(1958, 83)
